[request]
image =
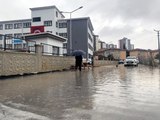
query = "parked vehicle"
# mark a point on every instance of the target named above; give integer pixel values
(121, 62)
(131, 61)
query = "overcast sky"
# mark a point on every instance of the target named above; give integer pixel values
(112, 19)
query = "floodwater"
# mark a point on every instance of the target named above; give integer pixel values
(102, 93)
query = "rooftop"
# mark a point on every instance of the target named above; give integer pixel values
(44, 35)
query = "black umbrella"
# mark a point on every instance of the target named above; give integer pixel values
(78, 52)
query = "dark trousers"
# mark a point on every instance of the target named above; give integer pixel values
(79, 65)
(79, 62)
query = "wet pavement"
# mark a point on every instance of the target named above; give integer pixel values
(102, 93)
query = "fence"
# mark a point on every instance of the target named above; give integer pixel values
(52, 50)
(7, 42)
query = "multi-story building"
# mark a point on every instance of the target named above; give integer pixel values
(50, 19)
(41, 16)
(47, 17)
(43, 19)
(96, 43)
(80, 36)
(132, 46)
(125, 44)
(102, 44)
(111, 46)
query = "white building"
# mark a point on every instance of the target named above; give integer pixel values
(44, 19)
(102, 44)
(132, 46)
(97, 44)
(50, 19)
(41, 16)
(111, 46)
(52, 44)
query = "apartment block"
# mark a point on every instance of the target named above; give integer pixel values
(79, 32)
(125, 44)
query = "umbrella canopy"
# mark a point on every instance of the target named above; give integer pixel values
(78, 52)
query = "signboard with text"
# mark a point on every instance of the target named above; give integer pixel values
(17, 41)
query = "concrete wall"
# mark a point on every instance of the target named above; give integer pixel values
(145, 57)
(98, 63)
(122, 54)
(117, 53)
(154, 53)
(15, 63)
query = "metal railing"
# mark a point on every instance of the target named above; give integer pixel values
(10, 43)
(48, 49)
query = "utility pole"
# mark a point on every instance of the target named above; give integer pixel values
(70, 27)
(158, 44)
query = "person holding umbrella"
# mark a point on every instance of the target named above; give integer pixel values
(78, 56)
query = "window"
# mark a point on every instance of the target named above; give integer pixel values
(1, 37)
(17, 35)
(64, 45)
(63, 35)
(27, 25)
(8, 26)
(90, 47)
(63, 25)
(56, 33)
(89, 37)
(9, 36)
(55, 50)
(17, 25)
(36, 19)
(57, 24)
(48, 23)
(26, 33)
(56, 14)
(1, 26)
(49, 31)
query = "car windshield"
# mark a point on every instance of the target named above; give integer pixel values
(131, 57)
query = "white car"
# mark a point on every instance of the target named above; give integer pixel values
(131, 61)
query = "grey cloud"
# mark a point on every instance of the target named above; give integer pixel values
(114, 34)
(128, 9)
(126, 30)
(138, 9)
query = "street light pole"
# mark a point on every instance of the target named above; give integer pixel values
(70, 34)
(70, 27)
(158, 44)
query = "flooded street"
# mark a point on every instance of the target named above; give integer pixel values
(102, 93)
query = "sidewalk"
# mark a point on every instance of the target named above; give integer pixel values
(8, 113)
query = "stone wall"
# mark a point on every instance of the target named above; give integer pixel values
(19, 63)
(13, 63)
(50, 63)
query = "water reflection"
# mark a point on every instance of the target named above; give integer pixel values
(104, 93)
(78, 77)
